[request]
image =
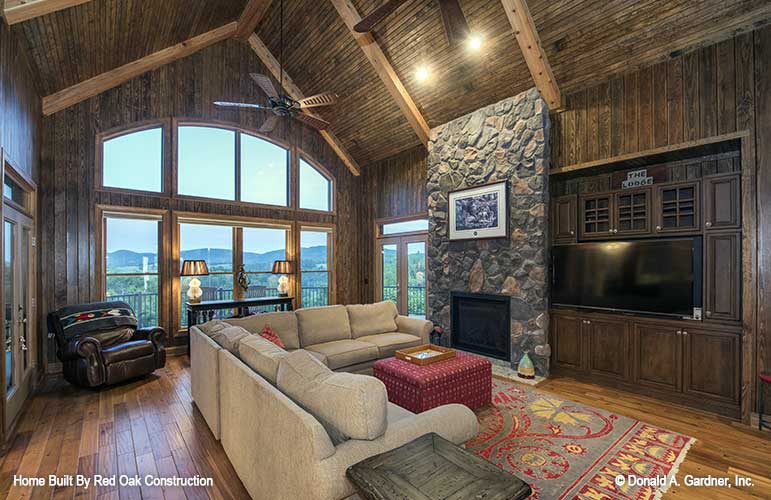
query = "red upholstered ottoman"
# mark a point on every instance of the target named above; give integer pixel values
(464, 379)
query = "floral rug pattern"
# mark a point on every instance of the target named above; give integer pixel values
(565, 450)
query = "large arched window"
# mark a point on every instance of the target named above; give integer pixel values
(315, 188)
(264, 172)
(134, 160)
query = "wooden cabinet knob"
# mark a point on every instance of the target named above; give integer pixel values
(708, 313)
(685, 333)
(572, 233)
(658, 228)
(708, 224)
(679, 332)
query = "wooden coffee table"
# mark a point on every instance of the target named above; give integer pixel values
(429, 468)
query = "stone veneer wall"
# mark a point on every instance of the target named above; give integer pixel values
(503, 141)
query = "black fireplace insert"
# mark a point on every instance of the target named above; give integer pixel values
(481, 324)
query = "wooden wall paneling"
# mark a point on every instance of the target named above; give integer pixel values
(675, 133)
(579, 125)
(571, 140)
(708, 108)
(726, 87)
(603, 120)
(616, 117)
(659, 105)
(631, 113)
(762, 97)
(645, 102)
(691, 100)
(592, 124)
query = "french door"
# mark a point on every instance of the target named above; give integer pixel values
(401, 273)
(18, 281)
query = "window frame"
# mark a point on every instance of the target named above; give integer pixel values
(166, 146)
(331, 231)
(161, 216)
(181, 122)
(236, 224)
(301, 156)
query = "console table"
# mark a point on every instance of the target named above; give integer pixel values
(204, 310)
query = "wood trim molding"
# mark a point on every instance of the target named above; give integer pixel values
(110, 79)
(253, 12)
(383, 68)
(529, 42)
(295, 93)
(16, 11)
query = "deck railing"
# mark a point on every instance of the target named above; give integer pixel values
(416, 298)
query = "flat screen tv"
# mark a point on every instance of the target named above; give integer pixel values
(660, 277)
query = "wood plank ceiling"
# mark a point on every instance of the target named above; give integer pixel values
(584, 40)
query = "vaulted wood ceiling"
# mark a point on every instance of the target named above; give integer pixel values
(584, 40)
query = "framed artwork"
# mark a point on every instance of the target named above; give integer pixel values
(479, 212)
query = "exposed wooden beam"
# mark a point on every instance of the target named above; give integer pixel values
(98, 84)
(295, 93)
(527, 37)
(250, 17)
(16, 11)
(383, 68)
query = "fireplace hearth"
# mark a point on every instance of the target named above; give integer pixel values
(481, 324)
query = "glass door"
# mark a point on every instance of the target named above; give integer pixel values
(401, 273)
(18, 300)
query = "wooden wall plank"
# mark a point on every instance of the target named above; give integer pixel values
(603, 121)
(675, 133)
(659, 105)
(726, 87)
(691, 100)
(645, 104)
(592, 124)
(617, 131)
(579, 125)
(708, 92)
(631, 113)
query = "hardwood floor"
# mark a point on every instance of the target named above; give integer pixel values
(152, 427)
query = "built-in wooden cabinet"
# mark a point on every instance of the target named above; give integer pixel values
(677, 208)
(690, 362)
(657, 356)
(564, 219)
(722, 290)
(596, 216)
(722, 202)
(632, 212)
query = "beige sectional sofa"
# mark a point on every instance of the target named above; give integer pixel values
(291, 425)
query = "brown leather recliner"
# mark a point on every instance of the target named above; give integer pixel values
(100, 343)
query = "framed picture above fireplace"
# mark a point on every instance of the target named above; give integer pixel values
(479, 212)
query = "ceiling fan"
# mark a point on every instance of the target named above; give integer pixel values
(455, 25)
(281, 104)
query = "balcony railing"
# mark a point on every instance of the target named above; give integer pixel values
(144, 304)
(416, 298)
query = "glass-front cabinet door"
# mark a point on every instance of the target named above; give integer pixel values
(18, 282)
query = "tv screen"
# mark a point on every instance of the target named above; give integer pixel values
(649, 276)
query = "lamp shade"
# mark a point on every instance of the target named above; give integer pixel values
(282, 267)
(194, 268)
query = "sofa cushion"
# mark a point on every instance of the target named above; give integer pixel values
(229, 337)
(347, 405)
(323, 324)
(212, 326)
(368, 319)
(284, 323)
(388, 343)
(341, 353)
(261, 355)
(321, 357)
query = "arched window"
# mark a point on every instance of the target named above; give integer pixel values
(315, 188)
(264, 172)
(206, 162)
(134, 160)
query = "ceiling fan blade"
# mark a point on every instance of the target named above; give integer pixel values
(239, 105)
(455, 24)
(323, 99)
(373, 18)
(313, 121)
(265, 84)
(269, 124)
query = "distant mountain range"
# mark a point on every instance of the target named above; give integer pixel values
(214, 257)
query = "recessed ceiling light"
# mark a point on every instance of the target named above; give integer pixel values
(422, 74)
(474, 42)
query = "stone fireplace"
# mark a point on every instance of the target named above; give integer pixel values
(503, 141)
(480, 324)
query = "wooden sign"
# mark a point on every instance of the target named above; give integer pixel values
(637, 178)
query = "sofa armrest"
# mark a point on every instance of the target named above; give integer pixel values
(454, 422)
(414, 326)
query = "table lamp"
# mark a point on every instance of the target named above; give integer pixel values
(282, 267)
(194, 268)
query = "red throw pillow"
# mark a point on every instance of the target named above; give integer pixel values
(269, 334)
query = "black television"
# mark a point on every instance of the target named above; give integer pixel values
(661, 277)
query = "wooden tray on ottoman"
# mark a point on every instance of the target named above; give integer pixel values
(433, 354)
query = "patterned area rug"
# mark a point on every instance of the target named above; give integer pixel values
(565, 450)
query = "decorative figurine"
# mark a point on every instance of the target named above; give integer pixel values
(243, 278)
(525, 368)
